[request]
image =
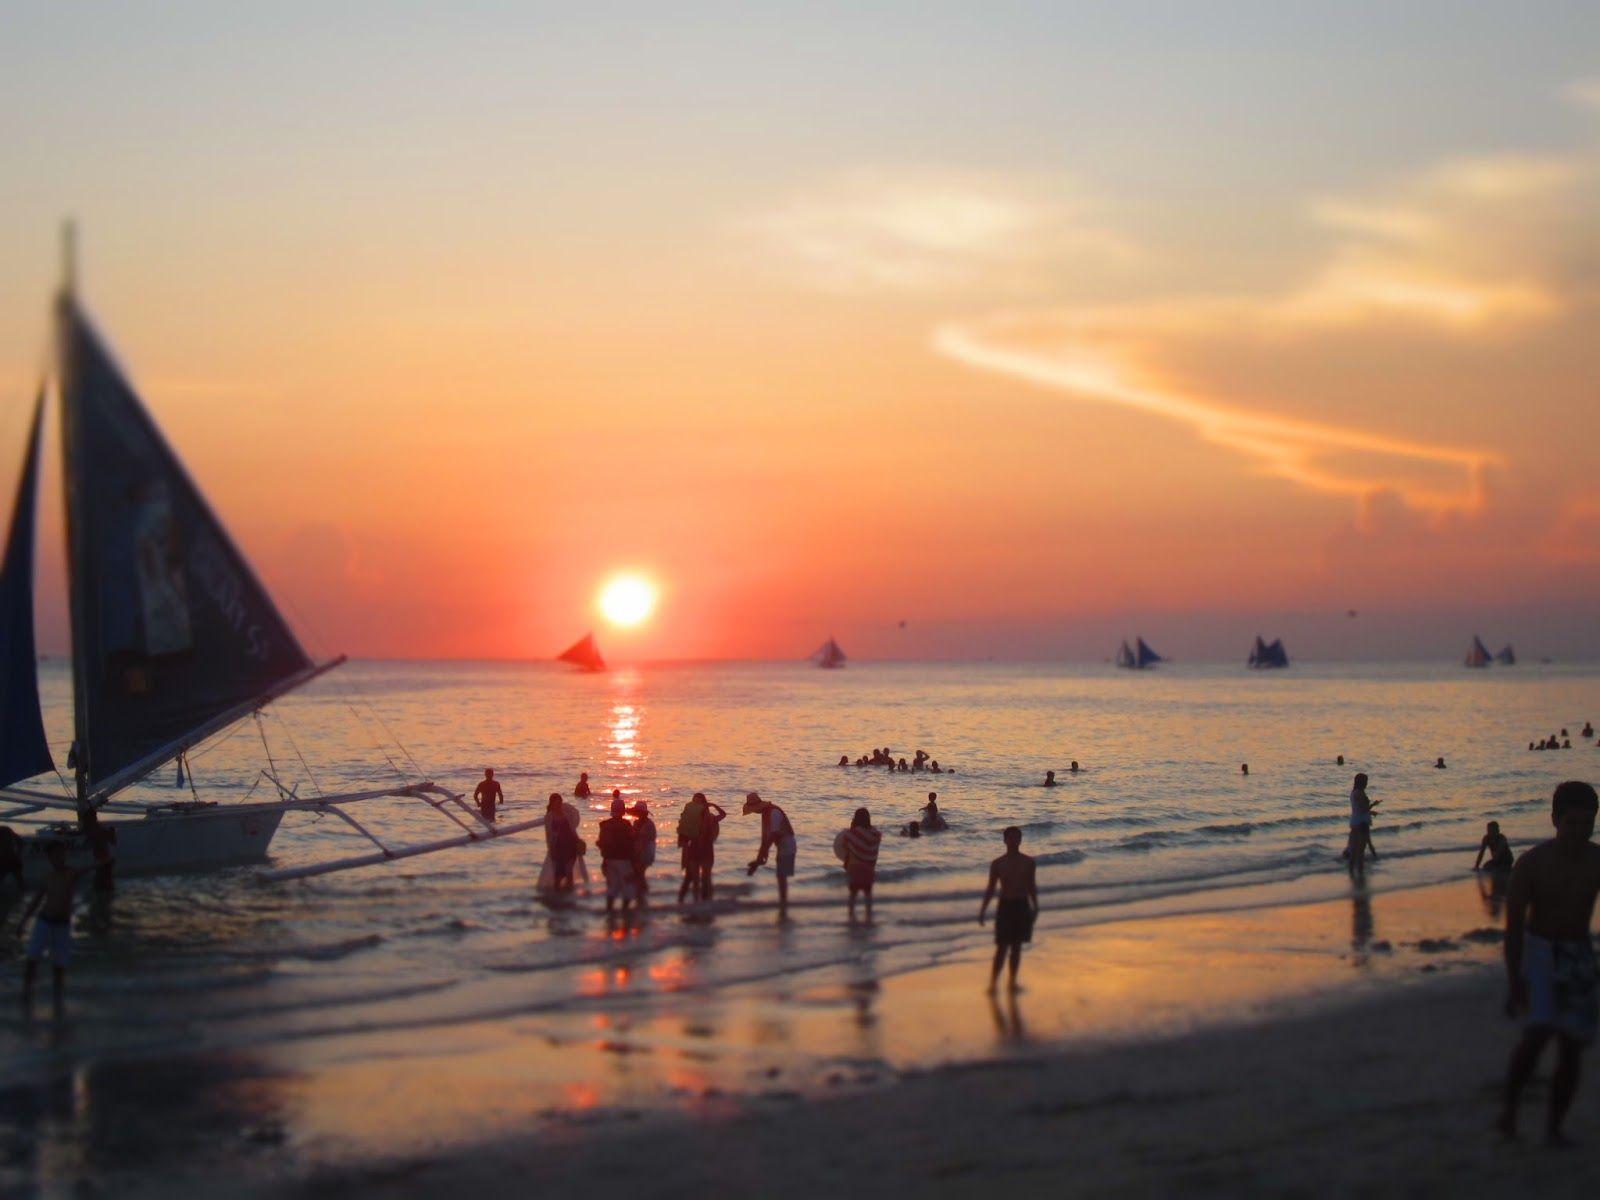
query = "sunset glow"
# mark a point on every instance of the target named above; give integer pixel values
(627, 600)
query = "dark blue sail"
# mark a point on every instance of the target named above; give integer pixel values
(23, 750)
(173, 635)
(1147, 656)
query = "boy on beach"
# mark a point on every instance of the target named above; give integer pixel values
(1549, 956)
(1013, 874)
(52, 932)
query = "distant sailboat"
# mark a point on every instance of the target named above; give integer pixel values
(1507, 656)
(583, 653)
(829, 655)
(1479, 655)
(1264, 655)
(1138, 659)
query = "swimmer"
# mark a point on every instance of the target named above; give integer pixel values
(1340, 760)
(911, 830)
(934, 769)
(581, 791)
(1438, 764)
(1049, 779)
(1244, 768)
(1587, 730)
(932, 822)
(844, 760)
(1073, 768)
(1494, 844)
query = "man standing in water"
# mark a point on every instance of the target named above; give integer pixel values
(488, 794)
(776, 834)
(1549, 955)
(1013, 874)
(52, 932)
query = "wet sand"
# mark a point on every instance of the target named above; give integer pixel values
(1317, 1048)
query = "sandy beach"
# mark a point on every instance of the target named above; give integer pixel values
(1322, 1048)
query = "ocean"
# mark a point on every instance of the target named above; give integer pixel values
(1160, 819)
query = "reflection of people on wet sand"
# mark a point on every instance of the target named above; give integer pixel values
(1492, 891)
(1549, 955)
(1494, 844)
(1362, 926)
(1013, 874)
(1007, 1021)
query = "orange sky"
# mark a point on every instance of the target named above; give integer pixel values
(831, 322)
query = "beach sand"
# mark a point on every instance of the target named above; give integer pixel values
(1280, 1050)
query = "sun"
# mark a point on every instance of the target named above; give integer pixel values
(627, 599)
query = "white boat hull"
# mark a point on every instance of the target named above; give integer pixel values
(168, 842)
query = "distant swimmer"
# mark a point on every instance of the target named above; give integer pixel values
(934, 768)
(777, 834)
(1438, 763)
(858, 846)
(844, 760)
(1494, 844)
(1049, 779)
(1550, 957)
(488, 794)
(1012, 874)
(911, 829)
(1567, 745)
(581, 791)
(1244, 768)
(903, 766)
(1072, 768)
(932, 822)
(1361, 809)
(1587, 730)
(1340, 760)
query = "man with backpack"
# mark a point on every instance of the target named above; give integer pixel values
(776, 833)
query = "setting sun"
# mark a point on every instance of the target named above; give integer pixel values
(627, 600)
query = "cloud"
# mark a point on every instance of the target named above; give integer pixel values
(1471, 249)
(938, 231)
(1584, 93)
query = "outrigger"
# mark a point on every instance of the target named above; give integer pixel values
(174, 642)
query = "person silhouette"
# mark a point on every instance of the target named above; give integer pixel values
(488, 794)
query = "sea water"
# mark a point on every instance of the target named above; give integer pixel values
(1159, 818)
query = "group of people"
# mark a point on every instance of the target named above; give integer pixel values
(884, 757)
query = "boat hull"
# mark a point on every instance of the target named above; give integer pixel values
(167, 842)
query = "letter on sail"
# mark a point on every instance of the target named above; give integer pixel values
(23, 750)
(171, 629)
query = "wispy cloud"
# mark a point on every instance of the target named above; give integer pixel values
(1471, 248)
(1585, 93)
(938, 231)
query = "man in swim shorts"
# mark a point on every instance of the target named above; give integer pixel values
(776, 834)
(488, 794)
(1013, 874)
(1549, 956)
(52, 932)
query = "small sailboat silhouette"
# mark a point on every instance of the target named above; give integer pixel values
(829, 655)
(1479, 655)
(584, 653)
(1264, 655)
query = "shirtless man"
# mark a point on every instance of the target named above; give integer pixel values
(1494, 844)
(1013, 874)
(776, 834)
(1549, 957)
(52, 932)
(488, 794)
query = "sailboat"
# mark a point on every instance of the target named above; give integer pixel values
(1137, 659)
(174, 641)
(829, 655)
(1507, 656)
(1265, 656)
(1479, 655)
(585, 653)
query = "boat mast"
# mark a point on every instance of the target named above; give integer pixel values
(66, 300)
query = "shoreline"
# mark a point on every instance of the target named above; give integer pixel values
(1127, 1032)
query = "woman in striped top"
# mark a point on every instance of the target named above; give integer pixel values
(861, 858)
